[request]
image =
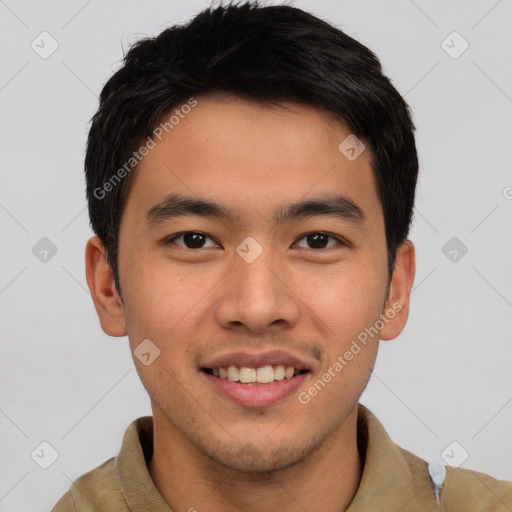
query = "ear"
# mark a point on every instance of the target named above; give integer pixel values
(100, 279)
(397, 306)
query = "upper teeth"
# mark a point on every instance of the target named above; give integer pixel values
(263, 375)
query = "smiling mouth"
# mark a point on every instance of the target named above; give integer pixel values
(264, 375)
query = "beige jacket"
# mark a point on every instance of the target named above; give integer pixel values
(393, 480)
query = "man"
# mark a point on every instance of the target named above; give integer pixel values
(251, 179)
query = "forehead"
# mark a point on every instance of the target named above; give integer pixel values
(253, 157)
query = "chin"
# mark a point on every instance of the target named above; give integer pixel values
(253, 460)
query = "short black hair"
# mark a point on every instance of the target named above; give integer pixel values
(262, 53)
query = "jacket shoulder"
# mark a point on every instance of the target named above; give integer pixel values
(65, 504)
(471, 491)
(97, 489)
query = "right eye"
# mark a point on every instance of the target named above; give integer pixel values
(191, 240)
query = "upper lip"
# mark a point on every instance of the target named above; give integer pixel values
(272, 357)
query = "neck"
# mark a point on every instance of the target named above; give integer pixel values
(187, 479)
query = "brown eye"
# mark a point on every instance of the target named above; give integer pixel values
(192, 240)
(319, 241)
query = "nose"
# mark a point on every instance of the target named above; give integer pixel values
(256, 297)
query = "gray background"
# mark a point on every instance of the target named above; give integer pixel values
(446, 378)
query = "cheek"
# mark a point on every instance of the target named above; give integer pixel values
(160, 299)
(346, 301)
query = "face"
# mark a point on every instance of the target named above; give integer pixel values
(250, 281)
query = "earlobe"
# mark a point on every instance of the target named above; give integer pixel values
(102, 286)
(397, 307)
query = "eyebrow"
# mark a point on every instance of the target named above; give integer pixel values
(338, 206)
(176, 205)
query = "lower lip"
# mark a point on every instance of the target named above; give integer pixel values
(256, 395)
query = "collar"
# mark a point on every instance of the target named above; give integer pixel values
(393, 478)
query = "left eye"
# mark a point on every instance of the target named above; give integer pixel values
(319, 240)
(192, 240)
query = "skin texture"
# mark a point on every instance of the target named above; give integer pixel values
(198, 303)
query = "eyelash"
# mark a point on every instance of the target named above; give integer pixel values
(329, 235)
